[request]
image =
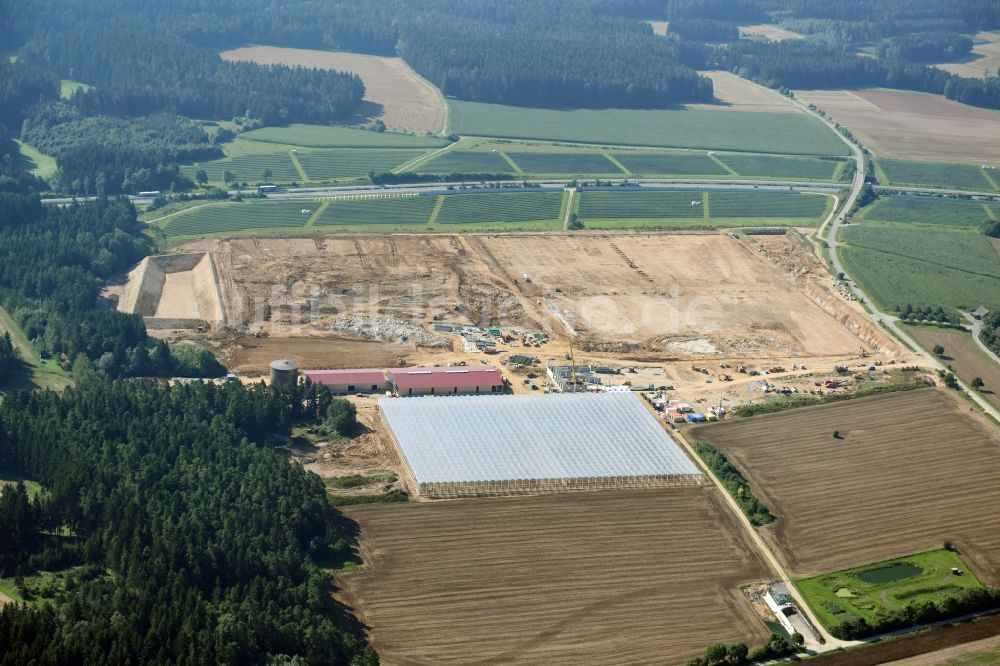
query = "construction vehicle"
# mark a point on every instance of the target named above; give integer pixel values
(775, 369)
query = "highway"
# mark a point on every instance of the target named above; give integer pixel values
(442, 188)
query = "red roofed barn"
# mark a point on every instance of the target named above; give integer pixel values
(445, 381)
(349, 381)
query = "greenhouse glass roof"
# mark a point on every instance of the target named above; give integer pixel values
(498, 438)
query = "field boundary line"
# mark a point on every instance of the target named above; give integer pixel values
(182, 212)
(311, 222)
(990, 213)
(438, 205)
(769, 556)
(298, 166)
(705, 207)
(567, 204)
(728, 169)
(423, 159)
(513, 165)
(838, 170)
(615, 161)
(989, 178)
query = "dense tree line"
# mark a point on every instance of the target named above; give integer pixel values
(22, 85)
(938, 46)
(54, 263)
(800, 64)
(970, 600)
(10, 361)
(138, 71)
(738, 654)
(107, 155)
(735, 483)
(991, 331)
(206, 541)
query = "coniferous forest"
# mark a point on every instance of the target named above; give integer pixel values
(192, 540)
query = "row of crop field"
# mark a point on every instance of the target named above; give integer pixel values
(350, 163)
(271, 167)
(671, 204)
(898, 264)
(231, 217)
(398, 210)
(519, 209)
(984, 178)
(932, 210)
(319, 165)
(781, 133)
(503, 207)
(583, 164)
(327, 136)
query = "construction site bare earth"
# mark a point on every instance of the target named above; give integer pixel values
(655, 297)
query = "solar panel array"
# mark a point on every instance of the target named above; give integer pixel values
(471, 439)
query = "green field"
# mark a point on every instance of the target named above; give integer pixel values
(248, 168)
(931, 210)
(961, 176)
(692, 208)
(898, 263)
(568, 164)
(68, 88)
(229, 217)
(666, 164)
(399, 210)
(766, 166)
(466, 161)
(38, 163)
(872, 589)
(790, 134)
(323, 136)
(500, 207)
(37, 373)
(351, 163)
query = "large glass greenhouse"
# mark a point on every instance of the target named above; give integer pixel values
(503, 445)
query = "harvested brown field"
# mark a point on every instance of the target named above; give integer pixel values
(984, 61)
(621, 293)
(910, 470)
(769, 32)
(399, 97)
(659, 27)
(249, 354)
(738, 94)
(911, 125)
(965, 358)
(610, 577)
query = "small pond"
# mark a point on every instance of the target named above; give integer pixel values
(890, 573)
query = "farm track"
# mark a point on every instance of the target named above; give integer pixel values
(606, 577)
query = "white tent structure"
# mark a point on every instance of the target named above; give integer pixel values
(506, 445)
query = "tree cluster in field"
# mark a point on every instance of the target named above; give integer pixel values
(735, 483)
(10, 361)
(738, 654)
(927, 313)
(56, 260)
(972, 600)
(206, 543)
(991, 228)
(938, 46)
(108, 155)
(991, 332)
